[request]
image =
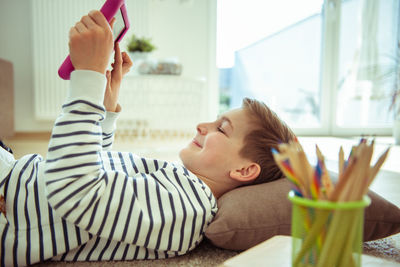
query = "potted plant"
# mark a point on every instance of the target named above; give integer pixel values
(389, 77)
(392, 75)
(139, 48)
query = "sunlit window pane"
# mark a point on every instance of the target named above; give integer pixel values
(281, 67)
(367, 63)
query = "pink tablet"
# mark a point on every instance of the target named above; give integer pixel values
(110, 9)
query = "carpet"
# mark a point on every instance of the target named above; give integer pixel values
(206, 254)
(387, 248)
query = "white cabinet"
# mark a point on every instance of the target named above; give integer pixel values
(159, 106)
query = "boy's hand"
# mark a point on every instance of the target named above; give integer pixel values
(122, 64)
(91, 43)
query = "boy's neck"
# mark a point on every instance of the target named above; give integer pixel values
(217, 189)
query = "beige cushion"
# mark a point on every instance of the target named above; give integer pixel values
(252, 214)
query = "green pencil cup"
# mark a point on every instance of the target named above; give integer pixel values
(327, 234)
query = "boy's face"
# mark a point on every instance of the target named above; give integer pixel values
(214, 151)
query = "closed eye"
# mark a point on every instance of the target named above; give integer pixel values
(221, 130)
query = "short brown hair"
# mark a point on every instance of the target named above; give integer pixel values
(267, 131)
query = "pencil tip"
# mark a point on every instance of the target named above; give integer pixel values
(274, 151)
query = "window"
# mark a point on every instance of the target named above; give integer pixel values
(318, 64)
(367, 55)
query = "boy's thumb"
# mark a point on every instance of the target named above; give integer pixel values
(112, 21)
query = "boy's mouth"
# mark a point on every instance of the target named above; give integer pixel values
(196, 143)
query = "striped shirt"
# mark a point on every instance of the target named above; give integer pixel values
(88, 203)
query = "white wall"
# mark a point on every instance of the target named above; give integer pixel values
(15, 46)
(179, 28)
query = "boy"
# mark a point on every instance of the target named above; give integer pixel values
(88, 203)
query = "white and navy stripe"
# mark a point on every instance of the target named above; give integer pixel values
(87, 203)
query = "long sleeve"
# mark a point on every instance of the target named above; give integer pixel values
(119, 196)
(108, 126)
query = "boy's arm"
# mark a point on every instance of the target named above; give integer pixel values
(122, 64)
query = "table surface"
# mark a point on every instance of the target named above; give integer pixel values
(277, 252)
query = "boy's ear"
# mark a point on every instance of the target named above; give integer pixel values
(246, 173)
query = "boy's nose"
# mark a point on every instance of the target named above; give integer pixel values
(201, 129)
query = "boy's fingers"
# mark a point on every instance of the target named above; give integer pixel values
(99, 18)
(117, 57)
(126, 59)
(127, 62)
(72, 32)
(89, 23)
(112, 21)
(80, 27)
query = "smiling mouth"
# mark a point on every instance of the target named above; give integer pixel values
(196, 143)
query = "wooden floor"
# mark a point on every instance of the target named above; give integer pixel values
(387, 184)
